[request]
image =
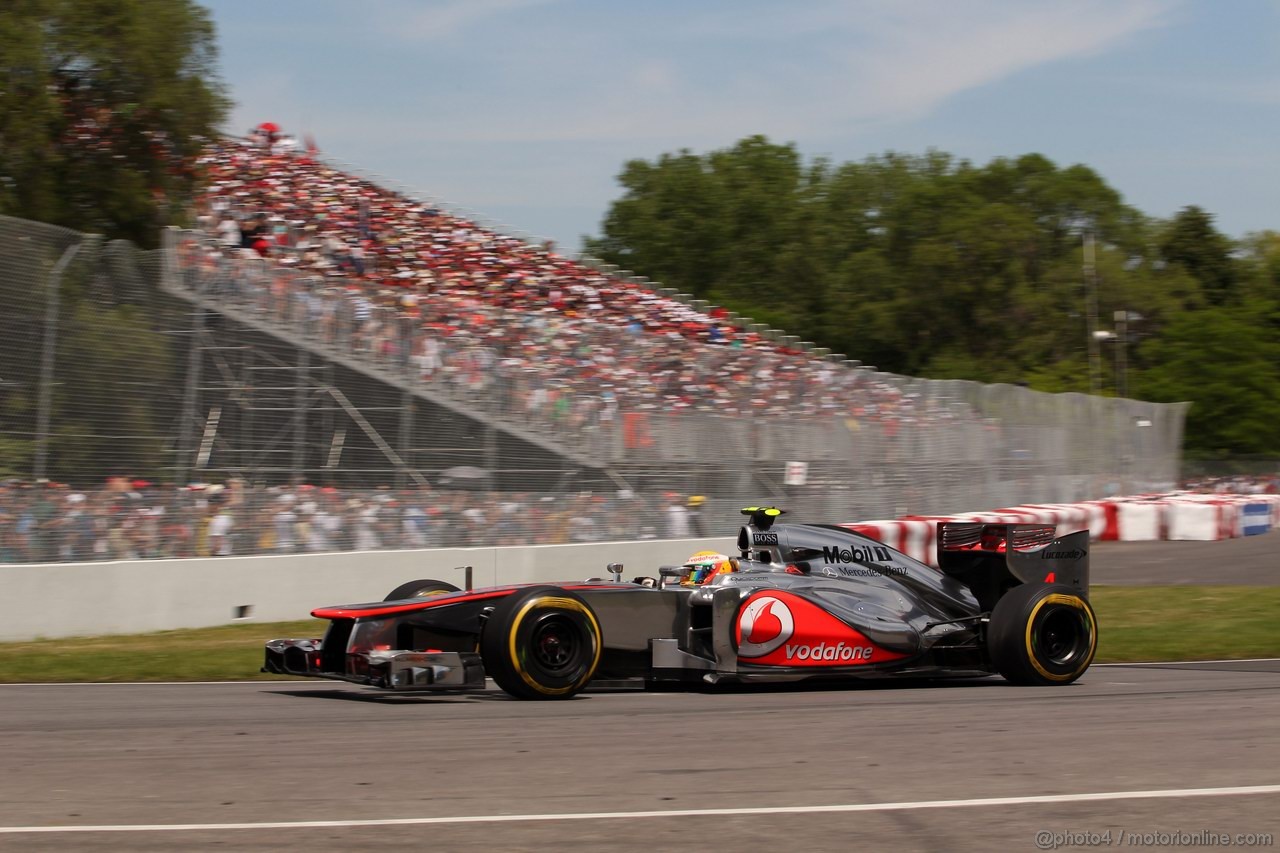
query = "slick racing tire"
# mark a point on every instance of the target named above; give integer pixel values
(1042, 634)
(541, 643)
(420, 589)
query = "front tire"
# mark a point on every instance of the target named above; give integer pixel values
(541, 643)
(1042, 634)
(420, 589)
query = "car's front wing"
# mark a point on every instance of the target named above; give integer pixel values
(391, 669)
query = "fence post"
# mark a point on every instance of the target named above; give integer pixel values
(47, 357)
(188, 450)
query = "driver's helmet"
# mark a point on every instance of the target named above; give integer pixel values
(705, 565)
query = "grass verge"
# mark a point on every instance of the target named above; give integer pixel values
(1138, 623)
(1135, 624)
(226, 653)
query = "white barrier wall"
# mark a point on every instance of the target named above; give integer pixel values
(85, 599)
(1203, 521)
(131, 597)
(1140, 522)
(1136, 518)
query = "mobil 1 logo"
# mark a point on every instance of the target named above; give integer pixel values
(857, 554)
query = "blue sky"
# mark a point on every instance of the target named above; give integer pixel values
(526, 110)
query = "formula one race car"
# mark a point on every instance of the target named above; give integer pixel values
(801, 601)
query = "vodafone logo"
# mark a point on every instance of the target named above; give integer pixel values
(764, 625)
(840, 652)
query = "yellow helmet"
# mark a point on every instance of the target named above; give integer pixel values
(706, 565)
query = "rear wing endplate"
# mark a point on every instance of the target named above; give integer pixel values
(992, 558)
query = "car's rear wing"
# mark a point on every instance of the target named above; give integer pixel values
(990, 559)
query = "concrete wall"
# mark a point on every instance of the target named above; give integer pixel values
(88, 599)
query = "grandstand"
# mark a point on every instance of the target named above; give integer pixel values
(328, 332)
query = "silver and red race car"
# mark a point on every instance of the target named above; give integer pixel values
(800, 601)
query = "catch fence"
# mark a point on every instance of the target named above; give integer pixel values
(196, 364)
(871, 441)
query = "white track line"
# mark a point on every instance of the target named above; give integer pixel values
(1187, 662)
(143, 683)
(519, 818)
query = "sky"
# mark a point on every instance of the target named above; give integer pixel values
(525, 111)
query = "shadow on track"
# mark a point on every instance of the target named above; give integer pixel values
(638, 688)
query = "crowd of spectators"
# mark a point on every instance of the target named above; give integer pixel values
(136, 519)
(414, 285)
(1234, 484)
(127, 519)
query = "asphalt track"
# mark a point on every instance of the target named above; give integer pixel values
(981, 765)
(283, 753)
(1249, 560)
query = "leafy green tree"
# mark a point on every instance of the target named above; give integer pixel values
(1193, 243)
(104, 106)
(112, 369)
(1259, 265)
(928, 265)
(677, 206)
(861, 313)
(922, 264)
(1227, 364)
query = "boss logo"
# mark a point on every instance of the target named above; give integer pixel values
(764, 539)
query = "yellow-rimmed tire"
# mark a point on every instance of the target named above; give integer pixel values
(1042, 634)
(541, 643)
(420, 589)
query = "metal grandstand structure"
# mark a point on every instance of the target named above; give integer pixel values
(1010, 443)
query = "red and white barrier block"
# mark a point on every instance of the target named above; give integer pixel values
(1141, 518)
(1211, 517)
(1203, 520)
(915, 537)
(1141, 521)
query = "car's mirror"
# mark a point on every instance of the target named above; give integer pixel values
(615, 569)
(666, 573)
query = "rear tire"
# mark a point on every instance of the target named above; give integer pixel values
(420, 589)
(1042, 634)
(541, 643)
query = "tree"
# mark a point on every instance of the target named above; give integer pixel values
(712, 225)
(922, 264)
(104, 107)
(675, 219)
(1193, 243)
(928, 265)
(112, 369)
(1259, 266)
(1226, 363)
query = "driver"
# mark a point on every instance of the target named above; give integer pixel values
(706, 565)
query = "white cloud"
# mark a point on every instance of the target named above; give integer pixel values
(438, 19)
(504, 103)
(653, 75)
(273, 97)
(919, 54)
(793, 71)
